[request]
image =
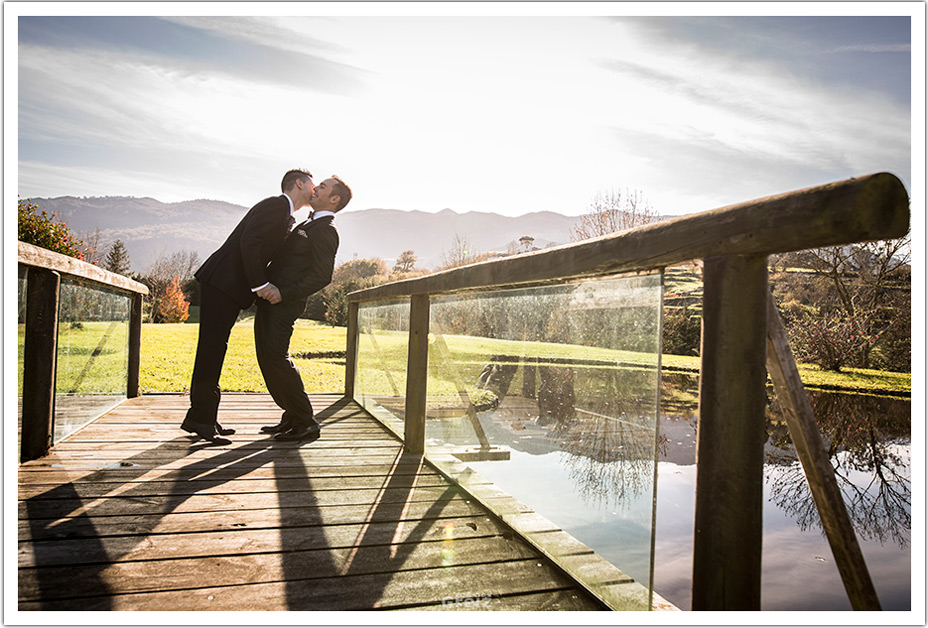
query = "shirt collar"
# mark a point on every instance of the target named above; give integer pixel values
(289, 200)
(321, 214)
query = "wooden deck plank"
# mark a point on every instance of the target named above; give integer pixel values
(207, 483)
(229, 514)
(74, 507)
(129, 513)
(52, 476)
(184, 536)
(127, 577)
(383, 590)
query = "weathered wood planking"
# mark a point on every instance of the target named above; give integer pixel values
(129, 513)
(31, 255)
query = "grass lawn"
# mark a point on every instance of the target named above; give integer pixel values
(849, 379)
(168, 352)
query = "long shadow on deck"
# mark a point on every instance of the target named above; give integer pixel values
(65, 534)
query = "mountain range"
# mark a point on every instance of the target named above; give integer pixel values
(150, 228)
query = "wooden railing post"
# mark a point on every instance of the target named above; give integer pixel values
(351, 349)
(417, 371)
(820, 474)
(135, 345)
(39, 356)
(730, 435)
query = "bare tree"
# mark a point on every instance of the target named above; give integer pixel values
(461, 253)
(93, 247)
(161, 274)
(860, 273)
(180, 264)
(613, 211)
(849, 305)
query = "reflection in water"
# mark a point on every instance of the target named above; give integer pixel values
(606, 462)
(866, 438)
(611, 459)
(570, 387)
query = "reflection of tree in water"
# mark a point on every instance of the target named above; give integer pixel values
(603, 417)
(609, 453)
(862, 434)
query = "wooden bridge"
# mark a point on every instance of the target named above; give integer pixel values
(127, 513)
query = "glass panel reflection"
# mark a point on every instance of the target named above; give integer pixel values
(383, 346)
(93, 353)
(566, 379)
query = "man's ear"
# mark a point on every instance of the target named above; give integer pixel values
(336, 199)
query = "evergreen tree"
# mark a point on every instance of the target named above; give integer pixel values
(117, 260)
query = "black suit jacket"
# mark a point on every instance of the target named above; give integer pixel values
(305, 262)
(240, 264)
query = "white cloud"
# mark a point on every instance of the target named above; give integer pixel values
(509, 115)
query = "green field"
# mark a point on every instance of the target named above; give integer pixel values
(168, 352)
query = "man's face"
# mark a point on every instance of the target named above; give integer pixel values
(322, 199)
(303, 192)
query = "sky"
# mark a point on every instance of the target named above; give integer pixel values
(503, 108)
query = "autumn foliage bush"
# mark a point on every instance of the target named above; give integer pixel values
(172, 306)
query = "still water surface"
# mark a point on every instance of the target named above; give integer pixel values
(869, 442)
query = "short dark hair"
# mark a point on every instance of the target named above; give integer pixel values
(292, 177)
(343, 192)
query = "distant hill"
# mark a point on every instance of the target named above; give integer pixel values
(149, 227)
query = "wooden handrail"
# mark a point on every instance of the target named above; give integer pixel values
(872, 207)
(31, 255)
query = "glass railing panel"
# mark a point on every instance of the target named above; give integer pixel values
(383, 347)
(563, 381)
(93, 353)
(20, 347)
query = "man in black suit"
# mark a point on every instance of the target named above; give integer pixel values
(303, 265)
(229, 281)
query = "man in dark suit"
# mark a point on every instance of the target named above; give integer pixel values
(303, 265)
(229, 281)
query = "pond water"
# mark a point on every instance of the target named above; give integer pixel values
(869, 442)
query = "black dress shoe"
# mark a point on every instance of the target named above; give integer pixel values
(283, 426)
(206, 431)
(225, 431)
(300, 432)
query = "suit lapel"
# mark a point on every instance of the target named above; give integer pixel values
(302, 229)
(307, 224)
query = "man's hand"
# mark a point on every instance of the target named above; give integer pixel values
(269, 293)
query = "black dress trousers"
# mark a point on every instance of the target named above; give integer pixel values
(273, 329)
(218, 313)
